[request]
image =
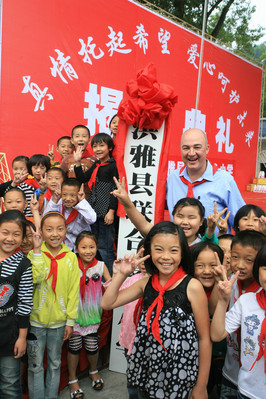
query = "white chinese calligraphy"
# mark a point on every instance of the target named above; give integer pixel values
(88, 50)
(116, 43)
(141, 38)
(61, 64)
(234, 97)
(223, 136)
(224, 81)
(241, 118)
(210, 67)
(101, 106)
(249, 136)
(191, 117)
(193, 54)
(36, 92)
(163, 37)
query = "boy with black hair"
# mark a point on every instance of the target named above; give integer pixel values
(64, 147)
(80, 138)
(20, 173)
(15, 198)
(22, 166)
(244, 248)
(247, 316)
(69, 199)
(54, 178)
(101, 184)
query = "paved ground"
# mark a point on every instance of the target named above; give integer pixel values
(114, 387)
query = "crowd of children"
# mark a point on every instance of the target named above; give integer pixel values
(57, 248)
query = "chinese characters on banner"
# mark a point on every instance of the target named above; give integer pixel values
(141, 159)
(71, 72)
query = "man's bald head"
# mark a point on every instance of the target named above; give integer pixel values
(194, 132)
(194, 150)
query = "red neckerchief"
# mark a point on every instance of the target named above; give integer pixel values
(86, 154)
(83, 277)
(253, 287)
(94, 174)
(261, 299)
(196, 183)
(179, 273)
(31, 182)
(72, 216)
(208, 294)
(48, 194)
(53, 268)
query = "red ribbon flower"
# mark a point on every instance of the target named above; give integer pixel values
(149, 102)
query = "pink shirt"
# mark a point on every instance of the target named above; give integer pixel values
(128, 330)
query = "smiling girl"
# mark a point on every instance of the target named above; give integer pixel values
(15, 301)
(55, 303)
(172, 349)
(89, 313)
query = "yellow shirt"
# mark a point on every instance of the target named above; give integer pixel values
(50, 310)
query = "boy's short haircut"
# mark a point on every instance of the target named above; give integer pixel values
(22, 158)
(226, 237)
(72, 182)
(249, 238)
(81, 126)
(57, 170)
(260, 260)
(105, 138)
(16, 189)
(62, 138)
(39, 159)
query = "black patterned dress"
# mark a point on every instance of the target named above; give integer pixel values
(172, 373)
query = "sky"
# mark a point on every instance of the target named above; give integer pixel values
(259, 17)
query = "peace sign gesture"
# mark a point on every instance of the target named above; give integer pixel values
(225, 286)
(213, 219)
(36, 240)
(223, 224)
(57, 193)
(51, 152)
(120, 192)
(129, 263)
(81, 194)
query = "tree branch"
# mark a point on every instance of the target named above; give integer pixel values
(221, 20)
(213, 7)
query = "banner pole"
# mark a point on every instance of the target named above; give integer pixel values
(201, 59)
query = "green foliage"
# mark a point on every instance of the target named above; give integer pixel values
(227, 20)
(236, 30)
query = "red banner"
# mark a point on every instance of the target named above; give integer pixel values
(66, 62)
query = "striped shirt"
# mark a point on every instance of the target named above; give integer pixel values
(20, 265)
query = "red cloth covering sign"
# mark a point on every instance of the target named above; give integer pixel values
(65, 62)
(147, 105)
